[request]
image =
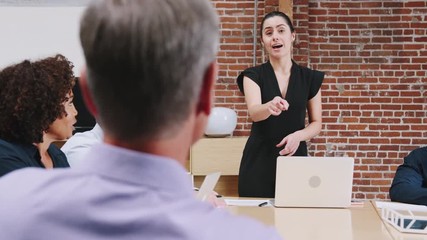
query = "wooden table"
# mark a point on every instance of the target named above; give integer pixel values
(359, 222)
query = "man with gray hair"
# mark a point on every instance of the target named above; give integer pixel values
(149, 82)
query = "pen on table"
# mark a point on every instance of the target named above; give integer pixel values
(262, 204)
(216, 195)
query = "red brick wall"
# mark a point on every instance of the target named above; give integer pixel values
(237, 51)
(374, 95)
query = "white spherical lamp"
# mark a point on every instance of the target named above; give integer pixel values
(222, 122)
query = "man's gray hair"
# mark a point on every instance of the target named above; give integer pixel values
(146, 61)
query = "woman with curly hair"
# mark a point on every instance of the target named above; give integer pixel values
(36, 109)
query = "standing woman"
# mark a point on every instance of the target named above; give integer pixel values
(278, 93)
(36, 109)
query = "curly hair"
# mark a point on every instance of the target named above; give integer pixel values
(32, 96)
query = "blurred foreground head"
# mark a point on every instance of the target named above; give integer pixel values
(146, 62)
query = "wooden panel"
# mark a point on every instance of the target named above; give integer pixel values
(217, 154)
(286, 7)
(60, 143)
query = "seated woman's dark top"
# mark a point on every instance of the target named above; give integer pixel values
(410, 181)
(14, 156)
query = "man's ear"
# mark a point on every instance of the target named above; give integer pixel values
(87, 97)
(206, 94)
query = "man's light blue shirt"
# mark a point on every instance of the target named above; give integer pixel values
(115, 194)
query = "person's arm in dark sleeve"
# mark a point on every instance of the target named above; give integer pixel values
(409, 182)
(10, 163)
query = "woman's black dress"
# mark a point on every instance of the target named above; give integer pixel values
(258, 166)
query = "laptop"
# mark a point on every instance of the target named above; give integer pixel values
(324, 182)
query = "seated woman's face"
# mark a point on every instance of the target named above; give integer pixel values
(63, 127)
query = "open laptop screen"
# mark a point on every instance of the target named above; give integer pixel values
(314, 181)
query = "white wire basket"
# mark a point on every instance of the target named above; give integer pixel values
(405, 220)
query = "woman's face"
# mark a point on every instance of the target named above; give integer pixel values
(62, 128)
(277, 37)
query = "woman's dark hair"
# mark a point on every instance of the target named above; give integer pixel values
(32, 96)
(279, 14)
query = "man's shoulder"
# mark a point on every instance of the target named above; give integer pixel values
(30, 173)
(56, 190)
(421, 150)
(30, 180)
(21, 187)
(31, 188)
(417, 156)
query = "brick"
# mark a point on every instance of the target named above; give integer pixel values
(379, 168)
(389, 147)
(374, 19)
(422, 25)
(338, 11)
(415, 4)
(400, 25)
(398, 11)
(390, 134)
(370, 5)
(380, 11)
(393, 4)
(330, 5)
(391, 19)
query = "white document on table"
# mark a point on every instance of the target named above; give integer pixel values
(208, 186)
(400, 206)
(248, 202)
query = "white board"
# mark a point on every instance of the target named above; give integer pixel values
(38, 32)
